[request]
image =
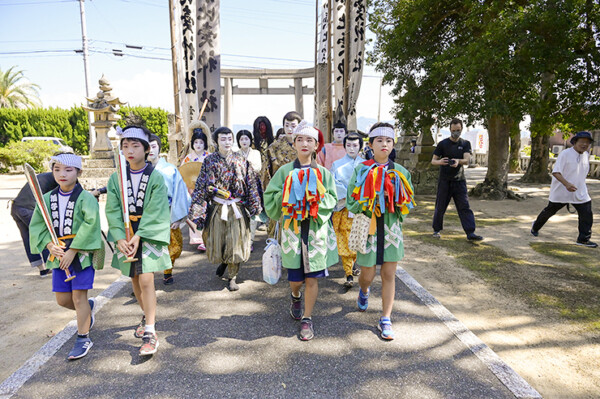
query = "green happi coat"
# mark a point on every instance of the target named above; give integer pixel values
(154, 228)
(86, 227)
(394, 243)
(322, 244)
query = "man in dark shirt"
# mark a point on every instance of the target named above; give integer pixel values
(22, 209)
(451, 154)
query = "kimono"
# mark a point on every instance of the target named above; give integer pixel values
(280, 152)
(193, 157)
(150, 220)
(226, 222)
(342, 170)
(330, 153)
(387, 244)
(316, 235)
(264, 174)
(78, 227)
(179, 203)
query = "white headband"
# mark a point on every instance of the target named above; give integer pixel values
(71, 160)
(132, 133)
(383, 131)
(304, 129)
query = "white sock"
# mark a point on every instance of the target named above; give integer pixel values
(150, 329)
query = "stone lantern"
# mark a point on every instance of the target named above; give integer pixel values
(105, 107)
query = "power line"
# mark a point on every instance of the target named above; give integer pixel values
(37, 2)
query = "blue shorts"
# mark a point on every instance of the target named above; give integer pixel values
(297, 275)
(83, 281)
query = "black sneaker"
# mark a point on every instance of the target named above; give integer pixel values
(436, 234)
(349, 282)
(307, 332)
(44, 273)
(296, 307)
(168, 279)
(474, 237)
(533, 232)
(587, 243)
(221, 269)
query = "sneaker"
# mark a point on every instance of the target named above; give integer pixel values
(385, 327)
(168, 279)
(251, 248)
(149, 344)
(363, 300)
(355, 270)
(307, 331)
(296, 307)
(141, 328)
(533, 232)
(437, 234)
(44, 273)
(80, 349)
(349, 282)
(587, 243)
(474, 237)
(202, 248)
(92, 302)
(221, 269)
(233, 285)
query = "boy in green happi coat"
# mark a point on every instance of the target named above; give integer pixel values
(308, 246)
(150, 220)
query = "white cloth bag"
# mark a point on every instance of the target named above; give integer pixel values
(271, 260)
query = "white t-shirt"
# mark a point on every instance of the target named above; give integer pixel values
(574, 167)
(63, 199)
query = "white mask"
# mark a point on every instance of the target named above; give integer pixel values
(225, 142)
(245, 142)
(339, 134)
(289, 126)
(352, 148)
(198, 146)
(154, 151)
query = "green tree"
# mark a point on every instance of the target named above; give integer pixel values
(15, 91)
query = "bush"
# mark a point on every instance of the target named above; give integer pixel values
(154, 119)
(35, 153)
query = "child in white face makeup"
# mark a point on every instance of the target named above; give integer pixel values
(331, 152)
(76, 219)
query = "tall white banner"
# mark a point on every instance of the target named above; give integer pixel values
(356, 47)
(185, 16)
(209, 60)
(339, 51)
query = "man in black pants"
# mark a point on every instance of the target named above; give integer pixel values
(22, 210)
(568, 187)
(451, 154)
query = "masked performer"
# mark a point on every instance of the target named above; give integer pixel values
(342, 219)
(150, 221)
(76, 219)
(179, 201)
(263, 138)
(225, 198)
(381, 190)
(198, 152)
(303, 194)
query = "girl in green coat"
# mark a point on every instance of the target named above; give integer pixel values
(308, 242)
(150, 220)
(385, 247)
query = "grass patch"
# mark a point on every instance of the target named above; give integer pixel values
(425, 209)
(570, 288)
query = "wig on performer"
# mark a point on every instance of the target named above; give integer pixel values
(342, 170)
(301, 195)
(179, 201)
(225, 198)
(263, 137)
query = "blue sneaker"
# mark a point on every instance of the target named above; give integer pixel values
(385, 327)
(92, 302)
(363, 300)
(80, 349)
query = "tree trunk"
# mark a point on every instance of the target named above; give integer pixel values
(495, 185)
(514, 165)
(537, 171)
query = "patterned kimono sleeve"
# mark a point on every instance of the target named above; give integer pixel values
(200, 196)
(113, 211)
(252, 200)
(88, 236)
(273, 195)
(39, 236)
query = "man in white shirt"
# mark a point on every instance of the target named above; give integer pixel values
(568, 187)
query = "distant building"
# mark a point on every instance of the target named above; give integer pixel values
(557, 142)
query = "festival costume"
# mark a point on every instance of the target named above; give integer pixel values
(150, 220)
(195, 237)
(385, 242)
(330, 153)
(77, 226)
(308, 243)
(179, 202)
(342, 170)
(279, 153)
(226, 222)
(254, 157)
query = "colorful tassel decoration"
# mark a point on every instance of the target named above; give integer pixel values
(302, 191)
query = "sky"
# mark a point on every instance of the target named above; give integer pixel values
(41, 36)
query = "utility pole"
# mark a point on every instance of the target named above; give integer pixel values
(379, 106)
(86, 72)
